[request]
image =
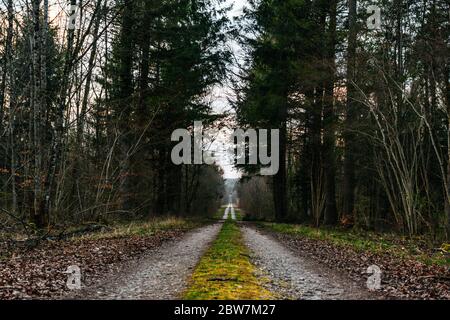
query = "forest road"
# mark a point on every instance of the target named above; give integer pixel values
(229, 211)
(161, 274)
(295, 277)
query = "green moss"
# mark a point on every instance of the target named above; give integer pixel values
(225, 271)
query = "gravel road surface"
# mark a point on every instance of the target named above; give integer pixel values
(294, 277)
(161, 274)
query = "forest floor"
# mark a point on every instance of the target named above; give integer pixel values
(37, 270)
(225, 259)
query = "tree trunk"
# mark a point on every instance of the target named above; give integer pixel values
(6, 59)
(447, 192)
(330, 215)
(57, 140)
(77, 168)
(125, 94)
(36, 101)
(280, 179)
(349, 136)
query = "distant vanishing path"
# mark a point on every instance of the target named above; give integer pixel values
(228, 210)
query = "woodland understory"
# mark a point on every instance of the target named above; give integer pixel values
(87, 109)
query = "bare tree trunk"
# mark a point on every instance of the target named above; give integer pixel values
(57, 141)
(6, 59)
(316, 169)
(81, 119)
(125, 95)
(44, 54)
(12, 120)
(36, 101)
(349, 136)
(280, 179)
(447, 186)
(330, 215)
(5, 81)
(97, 16)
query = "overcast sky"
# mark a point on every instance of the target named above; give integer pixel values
(220, 96)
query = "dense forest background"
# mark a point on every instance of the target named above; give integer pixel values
(90, 93)
(364, 112)
(88, 106)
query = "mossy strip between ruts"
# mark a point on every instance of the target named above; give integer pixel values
(225, 271)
